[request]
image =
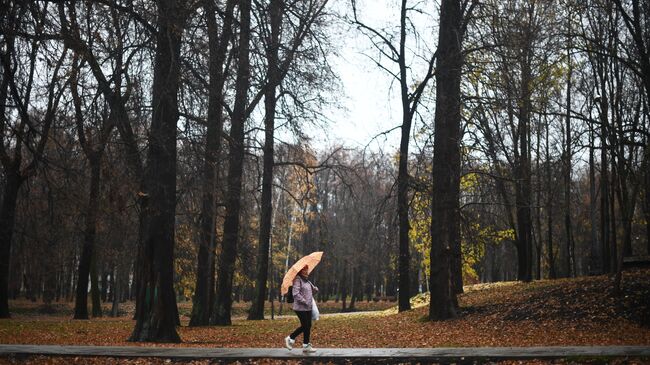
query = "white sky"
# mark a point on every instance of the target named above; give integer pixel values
(370, 97)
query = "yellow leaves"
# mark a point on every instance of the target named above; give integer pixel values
(185, 260)
(469, 182)
(504, 235)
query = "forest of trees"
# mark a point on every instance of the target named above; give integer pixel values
(159, 151)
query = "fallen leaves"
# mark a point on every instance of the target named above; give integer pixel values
(544, 313)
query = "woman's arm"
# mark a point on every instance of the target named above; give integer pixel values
(297, 291)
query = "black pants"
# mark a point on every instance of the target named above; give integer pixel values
(305, 326)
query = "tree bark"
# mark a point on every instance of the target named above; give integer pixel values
(647, 202)
(604, 186)
(104, 285)
(226, 267)
(7, 219)
(87, 250)
(95, 294)
(116, 289)
(523, 177)
(157, 313)
(445, 210)
(595, 259)
(569, 264)
(549, 209)
(613, 249)
(404, 261)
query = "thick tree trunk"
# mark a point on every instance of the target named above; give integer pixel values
(95, 295)
(87, 250)
(647, 203)
(157, 314)
(7, 220)
(257, 308)
(226, 268)
(445, 210)
(456, 269)
(204, 294)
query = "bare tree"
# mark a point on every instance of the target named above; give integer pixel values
(218, 44)
(25, 129)
(93, 147)
(157, 315)
(226, 262)
(410, 100)
(309, 14)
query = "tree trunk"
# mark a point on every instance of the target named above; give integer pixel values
(537, 229)
(7, 219)
(157, 313)
(404, 260)
(523, 177)
(104, 285)
(445, 210)
(612, 213)
(87, 250)
(344, 289)
(595, 259)
(604, 187)
(226, 268)
(569, 264)
(257, 308)
(353, 289)
(95, 294)
(647, 210)
(552, 273)
(116, 290)
(204, 294)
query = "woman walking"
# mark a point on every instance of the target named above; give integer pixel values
(303, 293)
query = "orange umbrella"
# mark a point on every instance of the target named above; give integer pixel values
(310, 260)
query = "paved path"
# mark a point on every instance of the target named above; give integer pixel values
(334, 354)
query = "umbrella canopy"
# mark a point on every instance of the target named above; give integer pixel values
(310, 260)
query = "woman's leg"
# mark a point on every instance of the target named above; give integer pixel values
(303, 322)
(307, 327)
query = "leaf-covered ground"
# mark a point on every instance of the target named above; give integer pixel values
(24, 308)
(566, 312)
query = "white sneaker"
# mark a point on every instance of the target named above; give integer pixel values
(307, 348)
(288, 342)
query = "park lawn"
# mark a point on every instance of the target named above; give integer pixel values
(543, 313)
(26, 308)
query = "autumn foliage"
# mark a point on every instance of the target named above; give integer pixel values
(542, 313)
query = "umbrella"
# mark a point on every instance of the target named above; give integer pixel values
(311, 260)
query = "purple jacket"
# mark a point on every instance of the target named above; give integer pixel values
(303, 294)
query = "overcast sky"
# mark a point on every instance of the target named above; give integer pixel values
(369, 105)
